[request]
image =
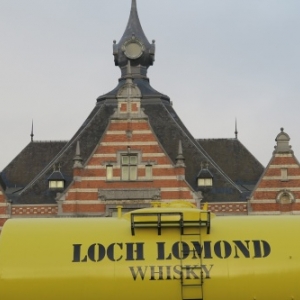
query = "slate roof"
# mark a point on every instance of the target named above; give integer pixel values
(235, 160)
(168, 128)
(28, 163)
(37, 191)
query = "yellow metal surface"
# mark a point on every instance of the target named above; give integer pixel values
(241, 258)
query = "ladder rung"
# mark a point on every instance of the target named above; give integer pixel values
(198, 284)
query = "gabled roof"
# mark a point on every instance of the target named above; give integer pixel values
(89, 133)
(281, 174)
(235, 160)
(169, 130)
(29, 162)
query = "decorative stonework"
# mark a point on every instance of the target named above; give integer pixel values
(129, 194)
(278, 190)
(285, 197)
(31, 210)
(229, 208)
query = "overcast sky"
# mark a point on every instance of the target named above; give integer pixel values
(216, 59)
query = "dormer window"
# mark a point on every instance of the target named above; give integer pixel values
(56, 180)
(205, 177)
(205, 182)
(56, 184)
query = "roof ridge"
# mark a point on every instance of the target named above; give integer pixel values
(67, 146)
(231, 139)
(51, 141)
(226, 177)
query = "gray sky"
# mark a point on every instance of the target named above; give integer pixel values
(217, 59)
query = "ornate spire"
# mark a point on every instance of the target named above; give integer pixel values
(283, 143)
(32, 131)
(129, 100)
(180, 158)
(77, 158)
(236, 131)
(134, 47)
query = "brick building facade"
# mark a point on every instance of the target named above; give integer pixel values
(129, 167)
(278, 190)
(132, 149)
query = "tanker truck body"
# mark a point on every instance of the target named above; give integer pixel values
(156, 253)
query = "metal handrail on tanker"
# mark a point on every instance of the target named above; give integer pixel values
(168, 219)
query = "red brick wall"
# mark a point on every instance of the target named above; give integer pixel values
(82, 195)
(4, 211)
(265, 196)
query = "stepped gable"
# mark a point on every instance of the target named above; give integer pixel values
(235, 160)
(28, 163)
(169, 129)
(278, 189)
(128, 167)
(163, 119)
(134, 50)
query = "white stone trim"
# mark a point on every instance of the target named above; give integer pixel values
(142, 178)
(3, 204)
(131, 121)
(269, 201)
(279, 178)
(283, 155)
(94, 179)
(164, 177)
(294, 166)
(123, 132)
(95, 167)
(277, 189)
(152, 143)
(183, 189)
(85, 202)
(100, 167)
(5, 216)
(83, 190)
(112, 155)
(104, 155)
(153, 154)
(162, 167)
(264, 201)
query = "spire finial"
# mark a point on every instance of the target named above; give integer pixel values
(129, 74)
(283, 143)
(180, 158)
(133, 5)
(77, 158)
(32, 131)
(236, 131)
(134, 46)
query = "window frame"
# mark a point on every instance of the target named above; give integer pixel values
(129, 170)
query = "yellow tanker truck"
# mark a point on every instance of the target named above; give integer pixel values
(162, 253)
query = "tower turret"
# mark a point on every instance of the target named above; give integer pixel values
(134, 47)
